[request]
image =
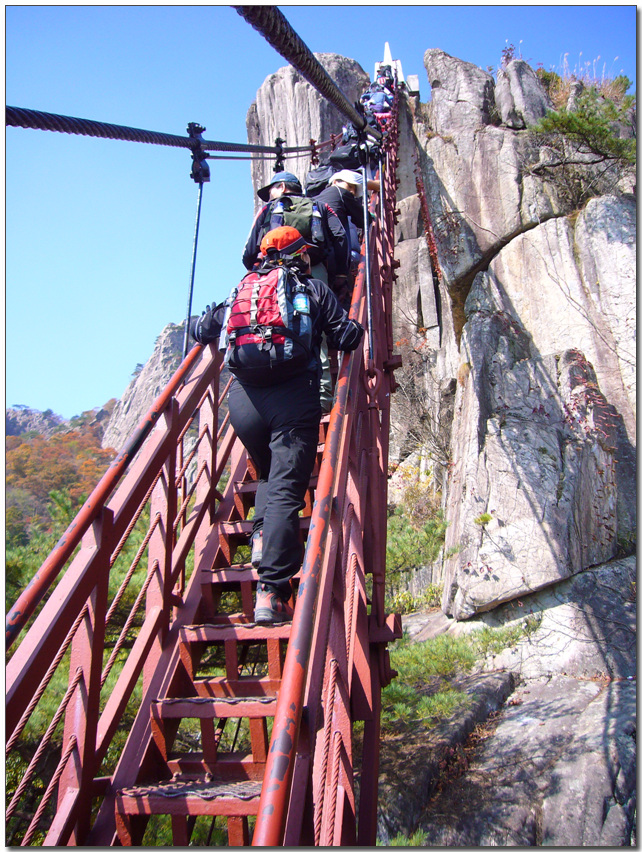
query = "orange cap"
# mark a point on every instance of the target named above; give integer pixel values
(285, 240)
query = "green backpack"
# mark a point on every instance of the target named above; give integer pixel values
(301, 213)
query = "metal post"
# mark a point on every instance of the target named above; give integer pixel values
(366, 231)
(382, 222)
(191, 280)
(200, 174)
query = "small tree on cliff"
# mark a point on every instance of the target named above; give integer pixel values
(590, 149)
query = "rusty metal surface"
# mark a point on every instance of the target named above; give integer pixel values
(201, 789)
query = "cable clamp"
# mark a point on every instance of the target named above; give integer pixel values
(200, 170)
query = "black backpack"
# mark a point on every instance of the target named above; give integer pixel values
(346, 156)
(317, 179)
(267, 329)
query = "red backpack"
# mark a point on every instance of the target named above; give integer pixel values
(267, 329)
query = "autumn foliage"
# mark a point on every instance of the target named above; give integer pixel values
(71, 461)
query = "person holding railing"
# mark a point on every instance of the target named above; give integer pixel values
(275, 406)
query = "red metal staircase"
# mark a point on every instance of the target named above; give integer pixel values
(142, 698)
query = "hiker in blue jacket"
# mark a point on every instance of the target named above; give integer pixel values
(377, 99)
(279, 426)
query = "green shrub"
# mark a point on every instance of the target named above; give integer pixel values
(404, 602)
(422, 693)
(415, 536)
(417, 838)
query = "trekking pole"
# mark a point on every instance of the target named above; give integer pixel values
(200, 174)
(191, 279)
(366, 235)
(382, 223)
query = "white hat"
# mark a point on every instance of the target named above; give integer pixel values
(347, 176)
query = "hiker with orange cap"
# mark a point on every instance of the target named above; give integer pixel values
(270, 328)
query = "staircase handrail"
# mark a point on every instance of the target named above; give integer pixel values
(38, 586)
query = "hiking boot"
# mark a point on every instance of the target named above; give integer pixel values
(257, 548)
(271, 609)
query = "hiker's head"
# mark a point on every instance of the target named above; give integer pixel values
(352, 181)
(285, 243)
(282, 183)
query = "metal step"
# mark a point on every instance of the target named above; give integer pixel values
(167, 714)
(246, 686)
(239, 766)
(213, 708)
(181, 799)
(212, 634)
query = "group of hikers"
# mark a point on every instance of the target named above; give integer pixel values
(275, 329)
(378, 97)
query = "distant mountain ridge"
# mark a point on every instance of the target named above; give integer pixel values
(117, 418)
(20, 419)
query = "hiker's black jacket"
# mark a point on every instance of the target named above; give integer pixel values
(335, 255)
(344, 204)
(325, 311)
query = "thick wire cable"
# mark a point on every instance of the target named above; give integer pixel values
(35, 120)
(273, 26)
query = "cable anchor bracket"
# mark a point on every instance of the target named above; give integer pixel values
(279, 164)
(200, 170)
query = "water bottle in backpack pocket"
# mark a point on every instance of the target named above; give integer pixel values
(304, 214)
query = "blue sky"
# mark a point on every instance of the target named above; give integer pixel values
(99, 232)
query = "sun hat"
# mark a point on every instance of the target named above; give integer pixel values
(347, 176)
(279, 177)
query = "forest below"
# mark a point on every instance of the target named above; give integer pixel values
(47, 481)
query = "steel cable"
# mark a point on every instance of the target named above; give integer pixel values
(273, 26)
(36, 120)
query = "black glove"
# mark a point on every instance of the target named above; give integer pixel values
(192, 327)
(207, 328)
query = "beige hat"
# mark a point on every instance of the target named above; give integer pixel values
(347, 176)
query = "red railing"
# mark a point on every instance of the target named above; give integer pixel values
(337, 661)
(91, 624)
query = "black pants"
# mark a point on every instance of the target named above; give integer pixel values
(279, 426)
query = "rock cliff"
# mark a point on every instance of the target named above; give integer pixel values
(539, 333)
(145, 386)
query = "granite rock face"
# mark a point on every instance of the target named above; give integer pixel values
(289, 107)
(536, 327)
(536, 331)
(145, 387)
(520, 99)
(463, 95)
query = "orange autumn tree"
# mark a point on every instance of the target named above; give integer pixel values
(47, 480)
